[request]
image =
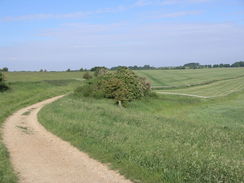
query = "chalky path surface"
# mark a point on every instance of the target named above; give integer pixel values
(41, 157)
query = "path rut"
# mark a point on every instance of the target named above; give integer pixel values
(38, 156)
(183, 94)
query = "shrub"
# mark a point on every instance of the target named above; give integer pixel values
(5, 69)
(123, 86)
(3, 85)
(87, 75)
(99, 71)
(116, 89)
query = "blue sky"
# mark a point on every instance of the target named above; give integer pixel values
(61, 34)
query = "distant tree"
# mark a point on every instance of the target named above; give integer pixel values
(146, 67)
(3, 85)
(192, 65)
(135, 67)
(68, 70)
(87, 75)
(98, 71)
(5, 69)
(179, 67)
(41, 70)
(226, 65)
(81, 69)
(98, 67)
(238, 64)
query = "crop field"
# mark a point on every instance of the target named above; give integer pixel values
(23, 94)
(183, 78)
(215, 89)
(167, 138)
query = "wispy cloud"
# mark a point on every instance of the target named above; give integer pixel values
(41, 16)
(71, 15)
(143, 3)
(82, 14)
(178, 14)
(169, 2)
(76, 15)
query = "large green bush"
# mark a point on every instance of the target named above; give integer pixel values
(3, 85)
(122, 85)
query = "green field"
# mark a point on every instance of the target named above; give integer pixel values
(40, 76)
(188, 77)
(23, 94)
(215, 89)
(163, 139)
(167, 138)
(201, 82)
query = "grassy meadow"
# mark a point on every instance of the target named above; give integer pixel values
(214, 89)
(188, 77)
(28, 91)
(40, 76)
(166, 138)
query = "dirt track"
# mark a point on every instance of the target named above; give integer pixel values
(183, 94)
(41, 157)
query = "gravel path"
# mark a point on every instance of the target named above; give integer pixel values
(38, 156)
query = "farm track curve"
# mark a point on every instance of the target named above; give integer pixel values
(182, 94)
(41, 157)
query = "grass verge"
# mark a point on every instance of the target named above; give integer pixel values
(166, 139)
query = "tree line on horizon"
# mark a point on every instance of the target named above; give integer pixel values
(192, 65)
